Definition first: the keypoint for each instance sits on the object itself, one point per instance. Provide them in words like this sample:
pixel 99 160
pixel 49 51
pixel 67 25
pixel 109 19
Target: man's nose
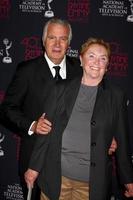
pixel 57 42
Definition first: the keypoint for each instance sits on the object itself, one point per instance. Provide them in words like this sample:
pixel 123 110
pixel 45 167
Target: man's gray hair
pixel 57 21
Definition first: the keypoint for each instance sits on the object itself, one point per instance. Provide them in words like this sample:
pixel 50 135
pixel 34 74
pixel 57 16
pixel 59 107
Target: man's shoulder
pixel 31 62
pixel 29 67
pixel 73 66
pixel 73 60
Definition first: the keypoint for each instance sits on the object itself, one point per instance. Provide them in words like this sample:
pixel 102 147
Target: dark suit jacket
pixel 25 99
pixel 109 119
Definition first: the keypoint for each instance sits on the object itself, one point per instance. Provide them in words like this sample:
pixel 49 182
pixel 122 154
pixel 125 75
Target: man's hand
pixel 129 190
pixel 42 126
pixel 30 176
pixel 113 147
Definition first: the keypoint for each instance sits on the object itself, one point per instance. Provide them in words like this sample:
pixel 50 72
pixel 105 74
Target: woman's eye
pixel 91 56
pixel 104 59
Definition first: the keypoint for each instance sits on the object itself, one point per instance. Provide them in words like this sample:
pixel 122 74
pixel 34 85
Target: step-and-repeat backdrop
pixel 21 24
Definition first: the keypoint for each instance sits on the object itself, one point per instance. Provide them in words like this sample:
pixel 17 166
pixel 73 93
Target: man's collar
pixel 51 64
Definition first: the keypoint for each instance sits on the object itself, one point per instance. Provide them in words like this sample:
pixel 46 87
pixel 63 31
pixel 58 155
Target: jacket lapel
pixel 101 99
pixel 45 72
pixel 71 95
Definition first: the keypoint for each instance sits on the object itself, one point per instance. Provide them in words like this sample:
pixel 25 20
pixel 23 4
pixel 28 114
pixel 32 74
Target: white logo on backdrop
pixel 7 58
pixel 4 52
pixel 49 12
pixel 113 8
pixel 37 6
pixel 13 192
pixel 1 140
pixel 72 52
pixel 130 17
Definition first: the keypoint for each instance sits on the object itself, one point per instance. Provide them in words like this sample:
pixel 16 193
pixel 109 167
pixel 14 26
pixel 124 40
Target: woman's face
pixel 94 62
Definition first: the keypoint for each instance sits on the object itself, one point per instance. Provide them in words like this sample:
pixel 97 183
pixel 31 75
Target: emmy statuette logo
pixel 49 13
pixel 130 17
pixel 7 58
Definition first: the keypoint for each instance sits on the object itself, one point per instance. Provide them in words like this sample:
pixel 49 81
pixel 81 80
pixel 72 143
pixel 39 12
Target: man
pixel 72 162
pixel 25 98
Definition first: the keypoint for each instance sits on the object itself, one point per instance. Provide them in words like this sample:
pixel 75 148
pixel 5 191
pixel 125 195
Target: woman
pixel 73 161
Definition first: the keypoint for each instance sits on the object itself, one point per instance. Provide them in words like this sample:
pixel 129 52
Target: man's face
pixel 56 42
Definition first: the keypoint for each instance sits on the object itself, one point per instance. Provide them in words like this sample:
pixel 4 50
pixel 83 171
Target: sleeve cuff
pixel 31 132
